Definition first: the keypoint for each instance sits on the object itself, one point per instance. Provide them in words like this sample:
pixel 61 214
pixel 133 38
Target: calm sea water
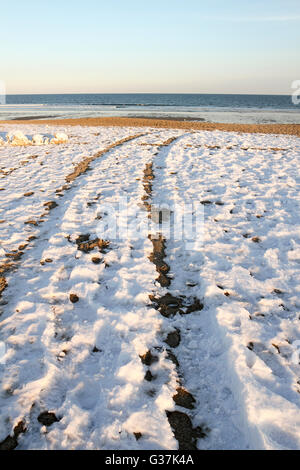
pixel 214 108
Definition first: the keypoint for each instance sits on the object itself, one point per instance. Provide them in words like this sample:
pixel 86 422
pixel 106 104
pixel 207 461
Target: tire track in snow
pixel 22 164
pixel 11 441
pixel 169 306
pixel 110 369
pixel 47 336
pixel 81 168
pixel 207 371
pixel 28 188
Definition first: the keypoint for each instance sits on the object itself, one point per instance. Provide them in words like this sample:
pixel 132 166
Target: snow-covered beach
pixel 131 342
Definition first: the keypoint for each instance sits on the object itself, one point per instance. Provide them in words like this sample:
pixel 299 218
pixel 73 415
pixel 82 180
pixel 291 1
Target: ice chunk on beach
pixel 60 138
pixel 17 138
pixel 38 139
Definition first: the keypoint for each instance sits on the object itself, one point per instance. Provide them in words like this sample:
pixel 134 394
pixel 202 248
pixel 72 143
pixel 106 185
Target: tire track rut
pixel 81 168
pixel 168 306
pixel 13 262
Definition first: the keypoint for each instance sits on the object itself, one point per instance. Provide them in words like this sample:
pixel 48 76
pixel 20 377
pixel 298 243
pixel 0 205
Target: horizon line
pixel 148 93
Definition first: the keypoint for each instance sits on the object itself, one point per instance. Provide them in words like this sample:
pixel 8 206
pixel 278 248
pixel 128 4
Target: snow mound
pixel 60 138
pixel 17 138
pixel 38 139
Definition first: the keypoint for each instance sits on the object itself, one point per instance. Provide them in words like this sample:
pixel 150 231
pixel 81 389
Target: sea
pixel 257 109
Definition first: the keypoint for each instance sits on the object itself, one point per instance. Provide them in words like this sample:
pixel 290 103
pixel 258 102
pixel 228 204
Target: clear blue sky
pixel 185 46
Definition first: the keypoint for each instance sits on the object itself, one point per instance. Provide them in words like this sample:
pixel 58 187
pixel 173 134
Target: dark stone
pixel 167 305
pixel 11 442
pixel 148 358
pixel 184 398
pixel 173 339
pixel 195 306
pixel 90 245
pixel 184 432
pixel 19 429
pixel 47 419
pixel 205 202
pixel 14 255
pixel 3 284
pixel 31 222
pixel 74 298
pixel 149 377
pixel 82 238
pixel 50 205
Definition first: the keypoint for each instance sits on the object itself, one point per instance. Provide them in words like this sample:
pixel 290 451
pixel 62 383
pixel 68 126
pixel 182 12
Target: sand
pixel 291 129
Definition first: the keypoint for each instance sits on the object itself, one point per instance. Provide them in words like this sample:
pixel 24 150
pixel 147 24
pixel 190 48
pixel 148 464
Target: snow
pixel 82 360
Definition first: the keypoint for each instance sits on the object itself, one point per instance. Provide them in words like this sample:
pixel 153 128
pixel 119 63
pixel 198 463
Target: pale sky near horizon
pixel 167 46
